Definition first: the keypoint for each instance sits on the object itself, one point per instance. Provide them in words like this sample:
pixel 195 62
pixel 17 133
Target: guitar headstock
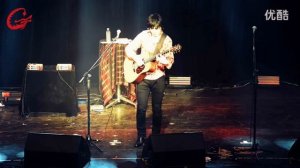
pixel 176 48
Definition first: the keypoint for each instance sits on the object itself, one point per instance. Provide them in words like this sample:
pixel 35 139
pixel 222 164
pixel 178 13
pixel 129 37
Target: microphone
pixel 82 77
pixel 118 34
pixel 254 28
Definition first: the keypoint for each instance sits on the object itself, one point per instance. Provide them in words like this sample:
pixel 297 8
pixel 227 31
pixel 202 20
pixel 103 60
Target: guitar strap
pixel 160 44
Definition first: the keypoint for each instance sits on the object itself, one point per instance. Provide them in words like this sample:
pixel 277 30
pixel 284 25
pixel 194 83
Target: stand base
pixel 119 98
pixel 90 142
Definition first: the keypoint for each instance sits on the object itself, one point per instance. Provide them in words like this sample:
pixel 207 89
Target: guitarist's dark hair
pixel 154 21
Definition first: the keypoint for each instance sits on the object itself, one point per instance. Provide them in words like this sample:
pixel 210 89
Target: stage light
pixel 268 80
pixel 3 157
pixel 285 143
pixel 99 162
pixel 20 154
pixel 5 96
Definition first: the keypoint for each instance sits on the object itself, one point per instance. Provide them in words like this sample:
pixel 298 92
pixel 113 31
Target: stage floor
pixel 223 115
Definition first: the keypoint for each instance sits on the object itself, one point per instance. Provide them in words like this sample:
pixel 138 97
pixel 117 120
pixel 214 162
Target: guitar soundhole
pixel 140 69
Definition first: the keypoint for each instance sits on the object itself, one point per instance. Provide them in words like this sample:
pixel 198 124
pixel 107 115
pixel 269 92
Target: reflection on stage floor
pixel 223 115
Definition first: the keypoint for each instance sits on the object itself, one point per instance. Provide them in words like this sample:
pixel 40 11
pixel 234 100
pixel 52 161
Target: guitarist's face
pixel 156 32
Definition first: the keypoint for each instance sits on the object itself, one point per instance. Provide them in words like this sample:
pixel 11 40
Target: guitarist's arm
pixel 169 56
pixel 132 47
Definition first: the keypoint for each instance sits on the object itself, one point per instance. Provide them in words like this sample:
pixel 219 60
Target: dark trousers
pixel 144 88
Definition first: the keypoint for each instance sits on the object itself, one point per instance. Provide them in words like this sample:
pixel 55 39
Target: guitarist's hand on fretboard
pixel 162 59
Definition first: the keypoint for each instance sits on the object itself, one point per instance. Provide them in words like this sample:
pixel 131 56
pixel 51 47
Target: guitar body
pixel 134 74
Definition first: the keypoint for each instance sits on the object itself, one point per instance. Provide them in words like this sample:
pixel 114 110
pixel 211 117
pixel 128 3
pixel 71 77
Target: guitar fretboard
pixel 174 49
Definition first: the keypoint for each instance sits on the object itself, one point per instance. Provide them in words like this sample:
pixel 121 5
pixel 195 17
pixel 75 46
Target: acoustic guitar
pixel 135 74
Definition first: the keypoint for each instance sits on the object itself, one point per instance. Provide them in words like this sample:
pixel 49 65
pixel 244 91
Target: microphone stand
pixel 87 76
pixel 254 144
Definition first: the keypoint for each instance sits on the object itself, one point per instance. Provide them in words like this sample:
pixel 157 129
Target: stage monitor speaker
pixel 54 150
pixel 176 150
pixel 49 91
pixel 294 153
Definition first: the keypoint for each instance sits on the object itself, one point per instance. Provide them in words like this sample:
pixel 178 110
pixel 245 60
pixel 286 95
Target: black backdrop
pixel 216 36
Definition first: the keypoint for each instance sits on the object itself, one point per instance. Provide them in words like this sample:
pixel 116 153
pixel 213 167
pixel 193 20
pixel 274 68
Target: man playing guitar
pixel 151 42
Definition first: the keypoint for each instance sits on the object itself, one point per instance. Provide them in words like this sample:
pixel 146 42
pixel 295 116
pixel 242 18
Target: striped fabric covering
pixel 120 56
pixel 106 70
pixel 111 71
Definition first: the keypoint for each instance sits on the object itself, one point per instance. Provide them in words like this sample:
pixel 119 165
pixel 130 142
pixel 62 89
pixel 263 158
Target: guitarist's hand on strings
pixel 139 61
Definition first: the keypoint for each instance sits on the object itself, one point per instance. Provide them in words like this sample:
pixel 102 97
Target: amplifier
pixel 35 67
pixel 45 91
pixel 64 67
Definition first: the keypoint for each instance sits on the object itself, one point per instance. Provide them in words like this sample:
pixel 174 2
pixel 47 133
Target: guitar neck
pixel 174 49
pixel 154 56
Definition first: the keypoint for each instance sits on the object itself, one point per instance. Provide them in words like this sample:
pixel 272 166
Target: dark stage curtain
pixel 216 36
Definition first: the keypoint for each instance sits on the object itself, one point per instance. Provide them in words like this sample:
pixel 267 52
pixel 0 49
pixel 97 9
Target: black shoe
pixel 139 142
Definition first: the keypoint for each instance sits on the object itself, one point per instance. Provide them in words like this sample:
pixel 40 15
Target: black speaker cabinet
pixel 177 150
pixel 49 91
pixel 294 153
pixel 53 150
